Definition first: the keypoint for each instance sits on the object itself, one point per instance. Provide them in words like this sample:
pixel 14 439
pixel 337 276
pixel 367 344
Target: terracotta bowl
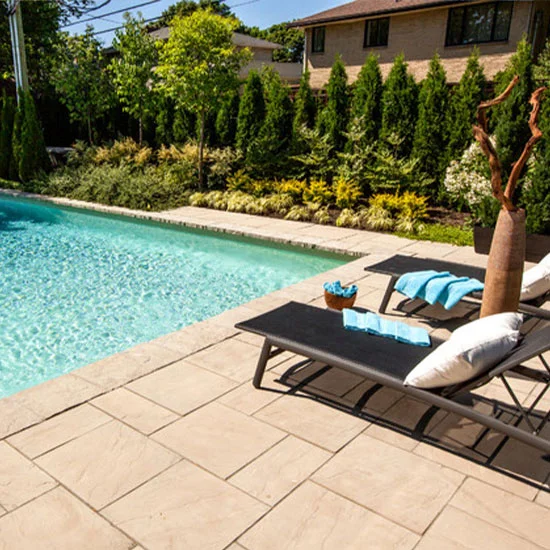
pixel 339 302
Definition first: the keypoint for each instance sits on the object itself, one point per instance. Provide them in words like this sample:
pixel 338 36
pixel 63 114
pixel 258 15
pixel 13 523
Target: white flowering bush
pixel 467 181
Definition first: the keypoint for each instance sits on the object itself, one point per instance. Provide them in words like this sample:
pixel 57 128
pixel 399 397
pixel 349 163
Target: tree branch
pixel 496 168
pixel 536 134
pixel 481 116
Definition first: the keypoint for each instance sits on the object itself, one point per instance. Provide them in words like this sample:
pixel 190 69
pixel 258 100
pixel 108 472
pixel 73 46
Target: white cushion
pixel 470 351
pixel 536 281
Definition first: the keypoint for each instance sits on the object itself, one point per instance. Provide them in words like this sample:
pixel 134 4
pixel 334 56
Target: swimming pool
pixel 76 286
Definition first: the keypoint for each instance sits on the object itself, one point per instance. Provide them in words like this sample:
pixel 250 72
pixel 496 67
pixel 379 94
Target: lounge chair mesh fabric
pixel 319 334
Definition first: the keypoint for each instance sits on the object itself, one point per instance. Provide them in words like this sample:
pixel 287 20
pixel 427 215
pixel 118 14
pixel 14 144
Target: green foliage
pixel 80 78
pixel 293 188
pixel 463 107
pixel 322 216
pixel 536 194
pixel 399 107
pixel 226 120
pixel 275 137
pixel 389 172
pixel 304 104
pixel 347 193
pixel 32 157
pixel 430 136
pixel 511 116
pixel 251 112
pixel 318 159
pixel 333 120
pixel 318 192
pixel 277 203
pixel 366 101
pixel 199 65
pixel 291 39
pixel 16 142
pixel 349 218
pixel 125 151
pixel 6 128
pixel 185 8
pixel 402 212
pixel 122 185
pixel 299 214
pixel 440 233
pixel 132 69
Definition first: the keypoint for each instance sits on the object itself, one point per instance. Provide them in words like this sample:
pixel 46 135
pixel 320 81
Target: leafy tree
pixel 16 141
pixel 184 8
pixel 41 22
pixel 81 80
pixel 430 135
pixel 132 69
pixel 333 121
pixel 399 107
pixel 32 157
pixel 366 101
pixel 304 104
pixel 6 129
pixel 199 66
pixel 511 117
pixel 463 107
pixel 226 120
pixel 291 39
pixel 275 135
pixel 251 112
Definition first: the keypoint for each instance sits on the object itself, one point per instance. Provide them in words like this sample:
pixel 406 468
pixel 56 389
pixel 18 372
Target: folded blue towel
pixel 434 286
pixel 337 289
pixel 374 324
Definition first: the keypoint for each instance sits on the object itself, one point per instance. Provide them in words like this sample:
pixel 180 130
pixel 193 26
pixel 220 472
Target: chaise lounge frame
pixel 399 265
pixel 319 335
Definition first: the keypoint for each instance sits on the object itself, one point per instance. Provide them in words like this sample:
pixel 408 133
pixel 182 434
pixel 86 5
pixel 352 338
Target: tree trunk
pixel 201 152
pixel 140 130
pixel 505 264
pixel 90 138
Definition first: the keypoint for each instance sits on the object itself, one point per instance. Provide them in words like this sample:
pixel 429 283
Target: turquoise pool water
pixel 76 286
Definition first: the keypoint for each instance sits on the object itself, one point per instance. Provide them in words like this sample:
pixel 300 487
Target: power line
pixel 243 4
pixel 122 26
pixel 129 8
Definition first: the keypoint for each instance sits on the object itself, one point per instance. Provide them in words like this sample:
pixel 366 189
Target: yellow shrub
pixel 318 192
pixel 294 188
pixel 347 193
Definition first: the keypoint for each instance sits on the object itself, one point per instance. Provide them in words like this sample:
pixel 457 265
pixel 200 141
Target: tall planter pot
pixel 505 264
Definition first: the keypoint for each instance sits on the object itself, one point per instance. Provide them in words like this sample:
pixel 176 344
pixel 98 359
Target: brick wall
pixel 419 35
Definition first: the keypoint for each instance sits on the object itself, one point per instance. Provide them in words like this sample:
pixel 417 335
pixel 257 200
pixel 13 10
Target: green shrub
pixel 347 193
pixel 322 216
pixel 277 203
pixel 304 105
pixel 379 219
pixel 198 199
pixel 240 181
pixel 318 192
pixel 239 201
pixel 226 120
pixel 299 214
pixel 251 112
pixel 221 164
pixel 349 218
pixel 6 129
pixel 402 212
pixel 294 188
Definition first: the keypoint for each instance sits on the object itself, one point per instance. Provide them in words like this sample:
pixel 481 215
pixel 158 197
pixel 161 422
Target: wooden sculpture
pixel 507 254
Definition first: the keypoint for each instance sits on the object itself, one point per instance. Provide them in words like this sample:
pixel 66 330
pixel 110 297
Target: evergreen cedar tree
pixel 226 120
pixel 366 101
pixel 333 120
pixel 430 136
pixel 511 117
pixel 304 104
pixel 251 112
pixel 6 129
pixel 399 107
pixel 463 105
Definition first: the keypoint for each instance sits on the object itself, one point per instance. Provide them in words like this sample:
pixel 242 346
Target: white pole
pixel 18 47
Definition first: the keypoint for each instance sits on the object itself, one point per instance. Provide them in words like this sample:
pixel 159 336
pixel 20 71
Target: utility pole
pixel 18 47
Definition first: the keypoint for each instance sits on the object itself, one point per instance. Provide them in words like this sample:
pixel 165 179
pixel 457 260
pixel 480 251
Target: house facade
pixel 419 28
pixel 262 55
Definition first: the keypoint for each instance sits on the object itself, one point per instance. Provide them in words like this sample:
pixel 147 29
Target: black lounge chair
pixel 319 335
pixel 399 265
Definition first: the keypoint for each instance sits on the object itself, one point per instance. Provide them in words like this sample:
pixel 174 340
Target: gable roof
pixel 239 39
pixel 368 8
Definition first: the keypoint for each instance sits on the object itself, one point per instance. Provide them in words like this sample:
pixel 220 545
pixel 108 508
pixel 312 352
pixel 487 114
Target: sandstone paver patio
pixel 168 445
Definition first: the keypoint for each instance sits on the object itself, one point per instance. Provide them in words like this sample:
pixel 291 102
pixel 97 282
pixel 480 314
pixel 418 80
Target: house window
pixel 318 40
pixel 376 32
pixel 488 22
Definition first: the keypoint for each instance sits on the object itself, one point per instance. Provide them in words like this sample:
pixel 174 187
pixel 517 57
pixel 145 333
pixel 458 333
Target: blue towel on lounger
pixel 434 286
pixel 378 326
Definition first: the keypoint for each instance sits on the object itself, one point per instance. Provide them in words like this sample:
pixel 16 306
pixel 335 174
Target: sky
pixel 260 13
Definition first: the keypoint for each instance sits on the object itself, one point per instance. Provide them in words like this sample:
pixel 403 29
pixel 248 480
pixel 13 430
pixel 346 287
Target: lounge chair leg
pixel 262 362
pixel 387 294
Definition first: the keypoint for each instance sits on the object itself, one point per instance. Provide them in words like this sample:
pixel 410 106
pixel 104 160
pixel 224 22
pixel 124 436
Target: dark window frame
pixel 365 34
pixel 496 4
pixel 313 43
